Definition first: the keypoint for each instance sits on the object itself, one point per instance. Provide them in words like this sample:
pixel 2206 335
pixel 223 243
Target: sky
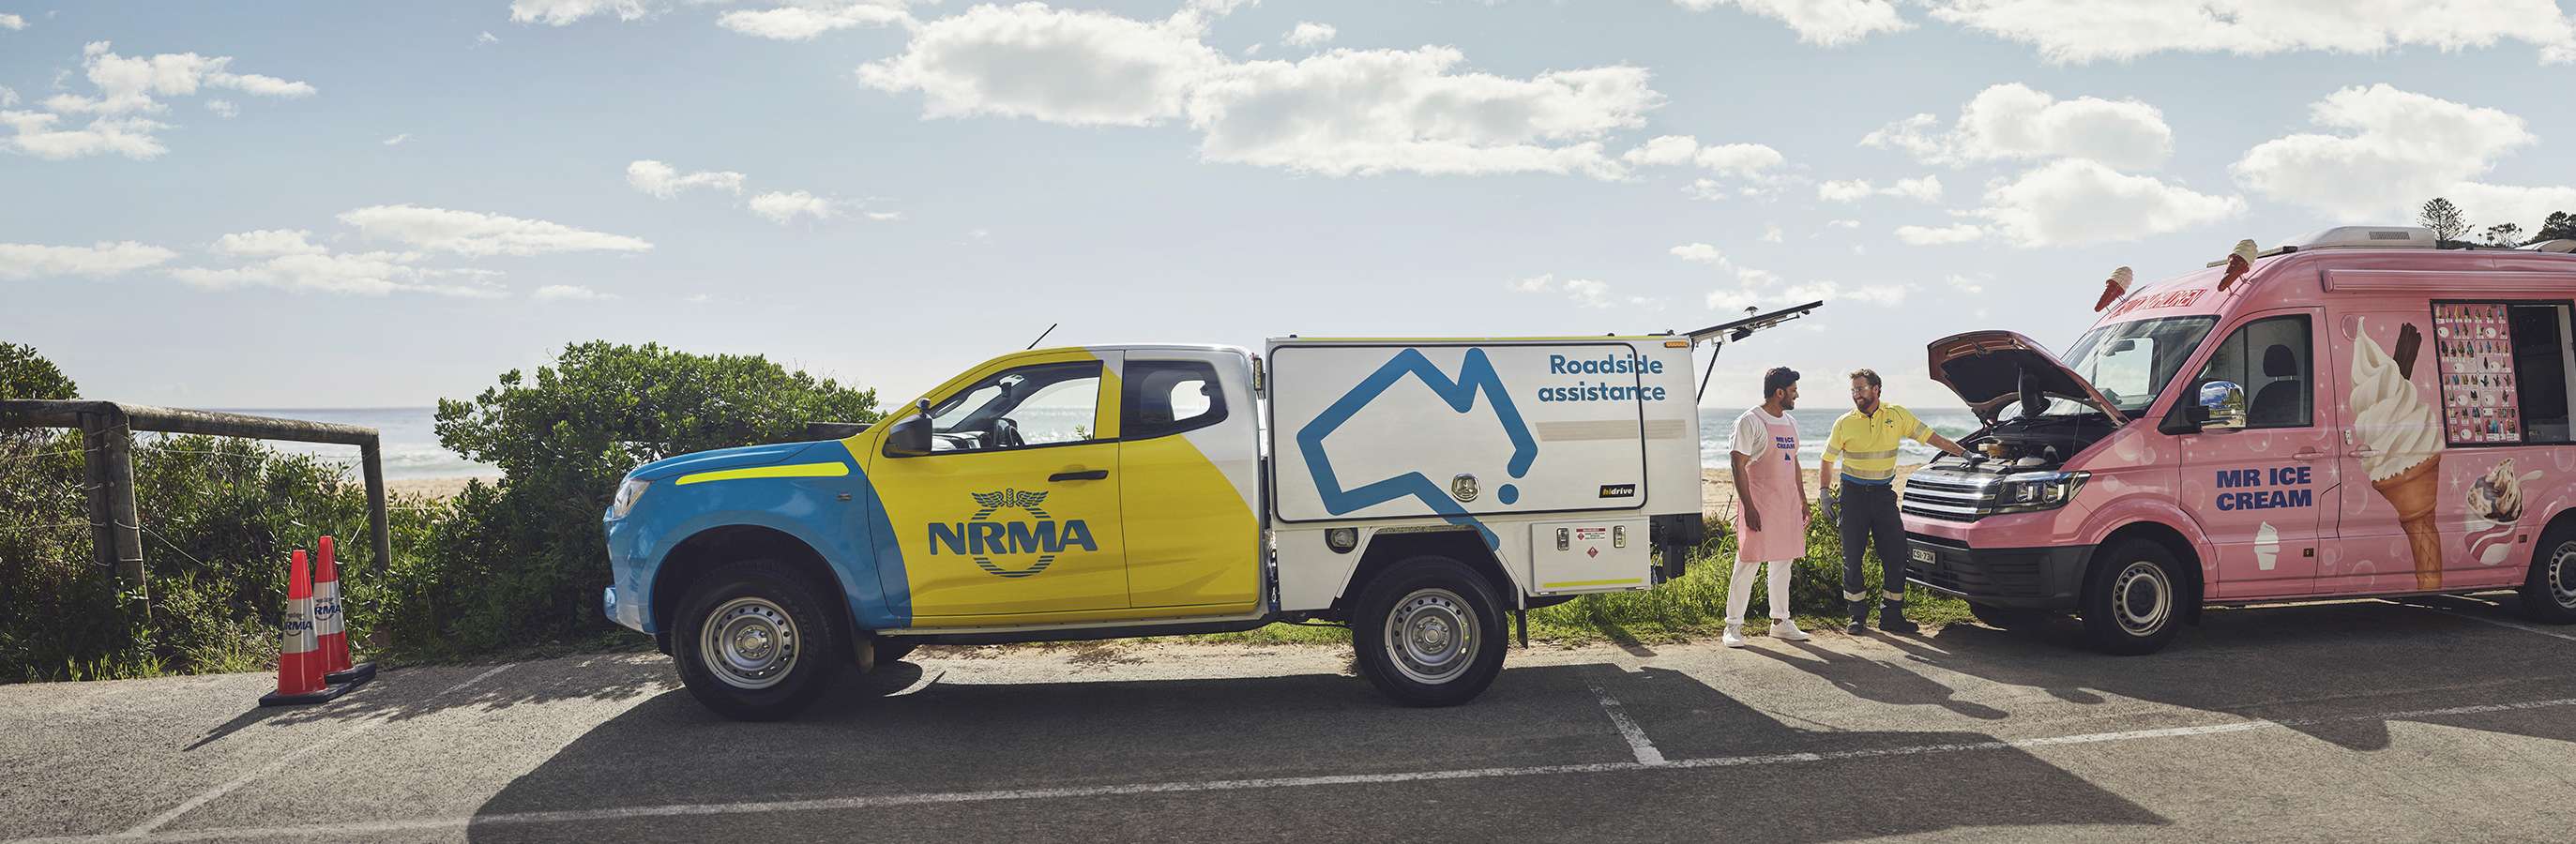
pixel 307 204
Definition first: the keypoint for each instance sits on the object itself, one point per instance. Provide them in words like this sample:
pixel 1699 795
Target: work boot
pixel 1860 618
pixel 1891 618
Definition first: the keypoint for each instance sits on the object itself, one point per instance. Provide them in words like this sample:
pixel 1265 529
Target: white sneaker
pixel 1786 629
pixel 1734 637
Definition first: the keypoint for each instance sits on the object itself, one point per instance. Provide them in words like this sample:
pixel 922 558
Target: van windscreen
pixel 2130 362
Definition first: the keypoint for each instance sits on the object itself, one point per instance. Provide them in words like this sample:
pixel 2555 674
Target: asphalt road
pixel 2443 720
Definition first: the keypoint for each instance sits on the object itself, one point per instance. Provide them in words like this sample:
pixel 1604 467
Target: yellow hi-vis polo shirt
pixel 1866 445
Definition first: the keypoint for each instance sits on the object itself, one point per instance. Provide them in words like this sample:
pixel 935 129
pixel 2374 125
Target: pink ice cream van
pixel 2356 413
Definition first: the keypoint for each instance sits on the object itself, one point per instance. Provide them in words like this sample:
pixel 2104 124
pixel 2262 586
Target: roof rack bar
pixel 1745 327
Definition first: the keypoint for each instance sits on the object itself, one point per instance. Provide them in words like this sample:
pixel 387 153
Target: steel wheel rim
pixel 749 643
pixel 2562 575
pixel 2142 598
pixel 1432 636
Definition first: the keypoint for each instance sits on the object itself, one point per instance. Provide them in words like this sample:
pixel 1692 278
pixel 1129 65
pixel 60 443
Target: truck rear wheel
pixel 2549 593
pixel 754 641
pixel 1429 632
pixel 2132 602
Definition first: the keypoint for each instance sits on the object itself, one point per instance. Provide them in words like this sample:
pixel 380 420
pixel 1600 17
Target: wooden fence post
pixel 125 521
pixel 371 464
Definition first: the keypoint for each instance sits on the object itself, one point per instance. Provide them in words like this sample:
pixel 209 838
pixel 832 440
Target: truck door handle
pixel 1091 475
pixel 2310 454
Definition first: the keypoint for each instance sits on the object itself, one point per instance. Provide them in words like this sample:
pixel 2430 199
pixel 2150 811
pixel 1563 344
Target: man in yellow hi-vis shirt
pixel 1864 441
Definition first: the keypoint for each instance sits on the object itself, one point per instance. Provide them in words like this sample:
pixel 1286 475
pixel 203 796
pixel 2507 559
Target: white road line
pixel 2514 625
pixel 372 721
pixel 345 830
pixel 1628 729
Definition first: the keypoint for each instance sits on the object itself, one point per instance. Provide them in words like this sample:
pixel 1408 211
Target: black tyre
pixel 1429 632
pixel 890 651
pixel 755 641
pixel 2549 593
pixel 2009 618
pixel 2133 601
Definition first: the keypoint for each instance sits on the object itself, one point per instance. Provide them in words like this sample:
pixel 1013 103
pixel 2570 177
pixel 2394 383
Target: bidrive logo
pixel 983 538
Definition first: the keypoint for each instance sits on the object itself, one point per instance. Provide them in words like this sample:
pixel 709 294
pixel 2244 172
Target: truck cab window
pixel 2271 359
pixel 1170 396
pixel 2541 366
pixel 1046 404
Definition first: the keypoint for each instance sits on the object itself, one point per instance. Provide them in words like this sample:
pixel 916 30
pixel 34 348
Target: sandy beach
pixel 1717 488
pixel 435 488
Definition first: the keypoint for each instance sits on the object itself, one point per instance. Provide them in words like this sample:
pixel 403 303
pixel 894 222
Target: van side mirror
pixel 910 436
pixel 2221 406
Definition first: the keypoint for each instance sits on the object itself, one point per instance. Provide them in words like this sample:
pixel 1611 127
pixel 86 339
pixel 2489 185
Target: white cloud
pixel 1926 189
pixel 483 38
pixel 2398 149
pixel 1772 234
pixel 1869 294
pixel 397 140
pixel 1338 113
pixel 2078 31
pixel 1309 34
pixel 784 207
pixel 1826 22
pixel 31 260
pixel 269 242
pixel 1699 253
pixel 2015 121
pixel 364 274
pixel 12 22
pixel 1664 151
pixel 1589 293
pixel 474 234
pixel 665 181
pixel 223 108
pixel 2076 201
pixel 8 96
pixel 1965 284
pixel 884 216
pixel 1842 224
pixel 1931 236
pixel 804 21
pixel 1741 160
pixel 125 88
pixel 563 12
pixel 568 292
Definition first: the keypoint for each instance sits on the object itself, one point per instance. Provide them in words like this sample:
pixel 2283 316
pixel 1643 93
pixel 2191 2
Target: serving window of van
pixel 2505 369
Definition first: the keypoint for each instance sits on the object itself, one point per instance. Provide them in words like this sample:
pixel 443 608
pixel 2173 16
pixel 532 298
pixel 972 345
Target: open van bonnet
pixel 1990 369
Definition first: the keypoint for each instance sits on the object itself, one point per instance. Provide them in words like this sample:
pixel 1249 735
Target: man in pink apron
pixel 1771 505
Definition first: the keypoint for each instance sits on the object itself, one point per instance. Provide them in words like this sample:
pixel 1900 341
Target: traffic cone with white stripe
pixel 299 658
pixel 330 625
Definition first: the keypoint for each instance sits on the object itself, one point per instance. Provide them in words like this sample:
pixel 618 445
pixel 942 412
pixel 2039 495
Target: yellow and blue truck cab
pixel 1417 490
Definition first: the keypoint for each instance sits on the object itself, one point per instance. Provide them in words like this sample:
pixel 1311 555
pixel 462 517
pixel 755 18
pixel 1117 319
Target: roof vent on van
pixel 2367 237
pixel 2562 245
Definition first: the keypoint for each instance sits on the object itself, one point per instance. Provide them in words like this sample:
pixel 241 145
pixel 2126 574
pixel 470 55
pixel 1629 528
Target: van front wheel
pixel 2549 594
pixel 1429 632
pixel 2132 601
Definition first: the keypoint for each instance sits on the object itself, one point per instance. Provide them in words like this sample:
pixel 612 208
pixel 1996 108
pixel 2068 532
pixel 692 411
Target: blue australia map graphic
pixel 1475 374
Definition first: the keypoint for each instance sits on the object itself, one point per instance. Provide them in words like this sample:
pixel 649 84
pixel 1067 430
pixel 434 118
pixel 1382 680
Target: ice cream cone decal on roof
pixel 2239 262
pixel 2404 439
pixel 2114 287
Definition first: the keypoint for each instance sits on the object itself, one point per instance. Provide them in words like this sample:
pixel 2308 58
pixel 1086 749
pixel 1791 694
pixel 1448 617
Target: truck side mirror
pixel 2221 406
pixel 910 436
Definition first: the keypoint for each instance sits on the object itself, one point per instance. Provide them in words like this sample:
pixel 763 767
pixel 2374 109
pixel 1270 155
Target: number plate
pixel 1923 555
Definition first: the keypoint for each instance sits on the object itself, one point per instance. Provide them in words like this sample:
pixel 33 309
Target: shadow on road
pixel 900 734
pixel 404 694
pixel 2335 663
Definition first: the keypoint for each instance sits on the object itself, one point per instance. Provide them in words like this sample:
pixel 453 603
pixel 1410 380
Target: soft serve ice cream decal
pixel 2495 506
pixel 2401 441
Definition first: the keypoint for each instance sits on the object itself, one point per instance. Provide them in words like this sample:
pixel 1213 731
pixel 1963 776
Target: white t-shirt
pixel 1753 434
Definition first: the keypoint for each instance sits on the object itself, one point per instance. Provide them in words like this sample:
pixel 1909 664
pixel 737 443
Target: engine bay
pixel 2027 443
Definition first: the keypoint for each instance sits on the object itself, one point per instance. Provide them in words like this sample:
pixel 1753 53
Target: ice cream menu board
pixel 2475 346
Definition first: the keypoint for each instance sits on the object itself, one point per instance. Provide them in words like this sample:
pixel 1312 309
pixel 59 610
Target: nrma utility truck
pixel 1417 490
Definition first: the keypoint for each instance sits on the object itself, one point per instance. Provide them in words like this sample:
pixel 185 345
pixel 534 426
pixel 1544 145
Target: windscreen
pixel 2130 362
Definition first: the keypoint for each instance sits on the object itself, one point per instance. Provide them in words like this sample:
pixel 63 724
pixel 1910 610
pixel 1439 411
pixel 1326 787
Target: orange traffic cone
pixel 330 625
pixel 299 662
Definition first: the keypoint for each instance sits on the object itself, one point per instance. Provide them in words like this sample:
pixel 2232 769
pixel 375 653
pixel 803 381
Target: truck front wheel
pixel 2132 602
pixel 754 642
pixel 1429 632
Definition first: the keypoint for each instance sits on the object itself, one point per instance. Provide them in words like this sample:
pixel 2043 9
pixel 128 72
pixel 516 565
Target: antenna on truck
pixel 1042 335
pixel 1718 335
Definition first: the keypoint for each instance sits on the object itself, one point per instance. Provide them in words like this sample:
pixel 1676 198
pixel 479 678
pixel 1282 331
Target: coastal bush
pixel 522 561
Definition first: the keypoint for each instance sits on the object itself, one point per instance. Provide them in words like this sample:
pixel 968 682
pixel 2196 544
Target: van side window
pixel 2271 359
pixel 2504 370
pixel 1040 405
pixel 1170 396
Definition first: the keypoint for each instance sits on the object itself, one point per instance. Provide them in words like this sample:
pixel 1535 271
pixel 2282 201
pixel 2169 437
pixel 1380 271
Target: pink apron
pixel 1772 482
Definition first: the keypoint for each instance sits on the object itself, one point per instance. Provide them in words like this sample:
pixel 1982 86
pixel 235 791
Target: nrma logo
pixel 983 538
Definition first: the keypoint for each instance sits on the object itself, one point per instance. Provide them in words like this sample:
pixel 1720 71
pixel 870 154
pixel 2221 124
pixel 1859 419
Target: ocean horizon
pixel 412 450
